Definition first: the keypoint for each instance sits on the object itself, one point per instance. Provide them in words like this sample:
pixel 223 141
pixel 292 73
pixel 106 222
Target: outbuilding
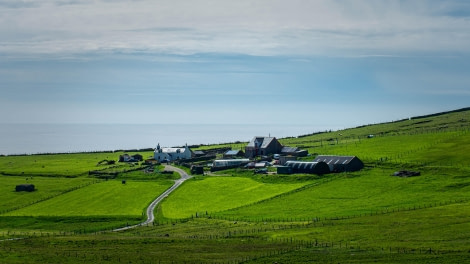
pixel 228 164
pixel 293 151
pixel 308 167
pixel 341 163
pixel 233 154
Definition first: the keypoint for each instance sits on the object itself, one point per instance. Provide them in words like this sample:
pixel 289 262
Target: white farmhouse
pixel 171 154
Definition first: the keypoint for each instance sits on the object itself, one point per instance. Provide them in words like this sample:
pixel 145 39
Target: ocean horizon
pixel 19 139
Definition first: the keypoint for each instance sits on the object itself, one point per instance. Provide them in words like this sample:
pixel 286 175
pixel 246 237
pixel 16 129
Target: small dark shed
pixel 138 157
pixel 197 169
pixel 341 163
pixel 308 167
pixel 25 188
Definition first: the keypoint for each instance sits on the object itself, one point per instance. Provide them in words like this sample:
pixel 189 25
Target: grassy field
pixel 362 217
pixel 431 235
pixel 61 164
pixel 46 188
pixel 77 203
pixel 107 198
pixel 359 193
pixel 212 194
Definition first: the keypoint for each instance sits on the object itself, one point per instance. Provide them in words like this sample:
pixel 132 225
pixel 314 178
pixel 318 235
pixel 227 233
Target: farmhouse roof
pixel 261 142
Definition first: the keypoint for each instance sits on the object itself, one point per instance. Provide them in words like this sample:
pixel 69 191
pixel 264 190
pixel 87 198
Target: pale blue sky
pixel 326 63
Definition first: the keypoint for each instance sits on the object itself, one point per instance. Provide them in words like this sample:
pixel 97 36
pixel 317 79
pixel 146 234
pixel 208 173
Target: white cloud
pixel 248 27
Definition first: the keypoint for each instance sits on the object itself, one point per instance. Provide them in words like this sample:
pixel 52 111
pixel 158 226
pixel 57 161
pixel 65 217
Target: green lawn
pixel 108 198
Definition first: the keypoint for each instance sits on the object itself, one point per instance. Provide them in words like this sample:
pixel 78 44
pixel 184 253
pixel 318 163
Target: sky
pixel 337 63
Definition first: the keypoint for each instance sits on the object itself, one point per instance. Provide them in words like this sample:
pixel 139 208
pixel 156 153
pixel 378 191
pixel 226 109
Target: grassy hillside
pixel 362 217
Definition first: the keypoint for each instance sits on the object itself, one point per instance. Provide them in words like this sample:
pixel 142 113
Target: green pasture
pixel 107 198
pixel 441 227
pixel 74 164
pixel 359 193
pixel 212 194
pixel 46 188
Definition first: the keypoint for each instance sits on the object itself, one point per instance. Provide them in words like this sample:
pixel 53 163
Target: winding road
pixel 151 208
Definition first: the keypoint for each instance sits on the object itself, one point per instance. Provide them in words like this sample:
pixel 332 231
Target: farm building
pixel 341 163
pixel 171 154
pixel 262 146
pixel 25 188
pixel 233 154
pixel 308 167
pixel 228 163
pixel 293 151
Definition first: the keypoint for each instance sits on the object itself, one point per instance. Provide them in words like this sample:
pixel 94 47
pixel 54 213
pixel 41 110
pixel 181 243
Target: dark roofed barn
pixel 341 163
pixel 293 151
pixel 308 167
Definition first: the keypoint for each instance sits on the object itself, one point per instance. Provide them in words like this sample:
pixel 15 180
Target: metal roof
pixel 332 159
pixel 172 150
pixel 232 152
pixel 289 149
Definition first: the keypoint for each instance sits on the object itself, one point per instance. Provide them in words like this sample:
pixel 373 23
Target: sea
pixel 19 139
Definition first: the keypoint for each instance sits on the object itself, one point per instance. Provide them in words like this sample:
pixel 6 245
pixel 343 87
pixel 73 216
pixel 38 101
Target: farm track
pixel 151 208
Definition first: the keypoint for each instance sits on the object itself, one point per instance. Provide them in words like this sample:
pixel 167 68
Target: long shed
pixel 308 167
pixel 341 163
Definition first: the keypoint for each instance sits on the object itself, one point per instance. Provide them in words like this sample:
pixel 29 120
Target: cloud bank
pixel 263 27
